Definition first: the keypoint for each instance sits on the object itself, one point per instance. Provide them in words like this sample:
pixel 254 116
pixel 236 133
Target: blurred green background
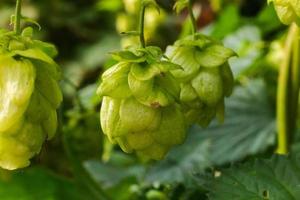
pixel 80 164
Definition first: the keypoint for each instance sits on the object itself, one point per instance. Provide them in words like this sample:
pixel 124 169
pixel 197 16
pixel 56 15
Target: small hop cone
pixel 205 77
pixel 138 110
pixel 29 98
pixel 288 11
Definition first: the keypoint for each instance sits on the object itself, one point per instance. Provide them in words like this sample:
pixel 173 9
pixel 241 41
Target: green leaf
pixel 274 179
pixel 249 128
pixel 36 183
pixel 35 53
pixel 249 125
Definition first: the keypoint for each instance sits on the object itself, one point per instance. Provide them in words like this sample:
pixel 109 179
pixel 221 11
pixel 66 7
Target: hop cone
pixel 205 77
pixel 29 97
pixel 288 11
pixel 139 111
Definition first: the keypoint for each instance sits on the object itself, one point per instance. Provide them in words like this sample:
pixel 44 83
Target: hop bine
pixel 29 97
pixel 205 77
pixel 139 109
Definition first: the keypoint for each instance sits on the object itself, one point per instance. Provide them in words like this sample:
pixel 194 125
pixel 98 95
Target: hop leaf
pixel 274 178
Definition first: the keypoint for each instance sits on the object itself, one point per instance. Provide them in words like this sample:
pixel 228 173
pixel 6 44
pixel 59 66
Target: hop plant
pixel 29 97
pixel 139 110
pixel 205 77
pixel 288 11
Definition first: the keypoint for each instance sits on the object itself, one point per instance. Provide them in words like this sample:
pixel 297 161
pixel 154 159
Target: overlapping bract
pixel 288 11
pixel 29 97
pixel 139 109
pixel 205 78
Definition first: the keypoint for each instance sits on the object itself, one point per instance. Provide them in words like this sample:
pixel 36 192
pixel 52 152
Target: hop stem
pixel 192 17
pixel 295 79
pixel 142 25
pixel 287 94
pixel 18 16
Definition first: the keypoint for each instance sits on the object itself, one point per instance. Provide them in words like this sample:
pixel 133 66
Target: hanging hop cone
pixel 288 11
pixel 139 109
pixel 205 78
pixel 29 97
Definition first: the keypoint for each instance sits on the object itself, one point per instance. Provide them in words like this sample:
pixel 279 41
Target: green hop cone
pixel 288 11
pixel 205 77
pixel 139 110
pixel 29 97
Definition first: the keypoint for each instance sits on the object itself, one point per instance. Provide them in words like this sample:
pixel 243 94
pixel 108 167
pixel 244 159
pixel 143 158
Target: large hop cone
pixel 288 11
pixel 139 111
pixel 205 77
pixel 29 97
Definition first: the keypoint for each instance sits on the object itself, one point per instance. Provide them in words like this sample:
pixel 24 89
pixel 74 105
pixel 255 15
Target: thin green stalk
pixel 18 16
pixel 142 25
pixel 192 17
pixel 295 82
pixel 283 127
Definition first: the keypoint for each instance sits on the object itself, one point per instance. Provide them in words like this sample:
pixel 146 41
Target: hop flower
pixel 288 11
pixel 205 77
pixel 139 109
pixel 29 97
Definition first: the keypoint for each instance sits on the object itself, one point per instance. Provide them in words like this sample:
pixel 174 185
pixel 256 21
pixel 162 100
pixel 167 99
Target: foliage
pixel 234 159
pixel 274 178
